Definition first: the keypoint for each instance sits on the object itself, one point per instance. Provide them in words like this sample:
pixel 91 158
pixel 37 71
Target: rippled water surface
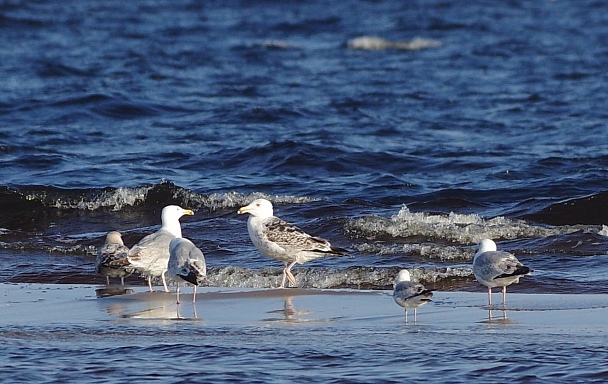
pixel 404 131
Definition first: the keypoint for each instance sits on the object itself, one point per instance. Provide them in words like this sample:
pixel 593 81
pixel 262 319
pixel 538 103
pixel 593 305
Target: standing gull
pixel 280 240
pixel 494 268
pixel 151 255
pixel 186 262
pixel 112 259
pixel 409 294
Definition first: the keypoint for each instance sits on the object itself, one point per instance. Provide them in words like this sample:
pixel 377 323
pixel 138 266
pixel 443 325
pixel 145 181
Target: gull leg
pixel 162 275
pixel 284 279
pixel 194 294
pixel 406 315
pixel 107 280
pixel 122 280
pixel 504 295
pixel 415 315
pixel 177 293
pixel 489 296
pixel 150 283
pixel 290 276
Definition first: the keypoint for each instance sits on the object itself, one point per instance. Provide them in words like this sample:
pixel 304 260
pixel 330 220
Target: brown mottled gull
pixel 280 240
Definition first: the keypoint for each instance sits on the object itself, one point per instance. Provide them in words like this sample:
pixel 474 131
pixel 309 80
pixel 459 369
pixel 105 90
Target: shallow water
pixel 297 335
pixel 492 127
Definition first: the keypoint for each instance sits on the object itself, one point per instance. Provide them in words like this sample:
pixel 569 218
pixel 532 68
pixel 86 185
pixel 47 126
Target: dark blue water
pixel 407 156
pixel 495 127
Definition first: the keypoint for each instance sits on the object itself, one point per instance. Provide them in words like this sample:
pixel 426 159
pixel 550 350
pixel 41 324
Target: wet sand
pixel 107 334
pixel 39 305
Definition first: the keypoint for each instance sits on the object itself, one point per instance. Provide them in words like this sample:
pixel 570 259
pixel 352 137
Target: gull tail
pixel 425 295
pixel 519 271
pixel 196 272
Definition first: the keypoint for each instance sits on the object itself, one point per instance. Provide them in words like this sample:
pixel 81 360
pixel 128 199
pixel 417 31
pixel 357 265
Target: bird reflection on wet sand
pixel 112 290
pixel 288 312
pixel 497 316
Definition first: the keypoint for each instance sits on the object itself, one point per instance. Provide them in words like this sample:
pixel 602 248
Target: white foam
pixel 465 229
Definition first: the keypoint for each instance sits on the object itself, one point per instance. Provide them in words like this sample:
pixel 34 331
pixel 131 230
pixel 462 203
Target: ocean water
pixel 488 121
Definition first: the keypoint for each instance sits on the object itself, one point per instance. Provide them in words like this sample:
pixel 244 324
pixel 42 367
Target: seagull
pixel 280 240
pixel 187 263
pixel 151 255
pixel 112 259
pixel 494 268
pixel 409 294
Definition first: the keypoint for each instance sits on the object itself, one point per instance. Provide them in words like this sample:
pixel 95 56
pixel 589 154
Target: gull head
pixel 258 208
pixel 404 275
pixel 172 213
pixel 114 237
pixel 486 245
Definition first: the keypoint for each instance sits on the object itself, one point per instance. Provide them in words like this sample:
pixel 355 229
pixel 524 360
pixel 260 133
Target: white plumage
pixel 187 263
pixel 280 240
pixel 494 268
pixel 151 254
pixel 408 294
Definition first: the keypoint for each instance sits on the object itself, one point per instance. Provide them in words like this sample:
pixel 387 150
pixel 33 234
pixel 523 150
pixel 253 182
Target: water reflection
pixel 288 313
pixel 110 290
pixel 498 316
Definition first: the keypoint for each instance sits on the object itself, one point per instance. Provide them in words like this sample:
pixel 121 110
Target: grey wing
pixel 151 247
pixel 188 259
pixel 406 290
pixel 493 264
pixel 290 237
pixel 188 262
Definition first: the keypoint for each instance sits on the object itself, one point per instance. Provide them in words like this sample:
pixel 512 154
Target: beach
pixel 110 333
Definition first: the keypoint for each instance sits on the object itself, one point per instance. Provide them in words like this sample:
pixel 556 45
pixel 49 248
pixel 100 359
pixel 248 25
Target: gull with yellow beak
pixel 150 256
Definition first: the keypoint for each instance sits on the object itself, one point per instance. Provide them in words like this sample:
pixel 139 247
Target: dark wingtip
pixel 340 251
pixel 191 278
pixel 523 270
pixel 520 271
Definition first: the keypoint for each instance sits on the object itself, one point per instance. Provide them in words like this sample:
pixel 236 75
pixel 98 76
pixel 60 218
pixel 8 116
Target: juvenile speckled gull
pixel 112 259
pixel 494 268
pixel 409 294
pixel 280 240
pixel 186 262
pixel 151 254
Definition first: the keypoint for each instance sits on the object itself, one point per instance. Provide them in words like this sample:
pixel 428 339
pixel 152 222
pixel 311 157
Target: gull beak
pixel 242 210
pixel 188 212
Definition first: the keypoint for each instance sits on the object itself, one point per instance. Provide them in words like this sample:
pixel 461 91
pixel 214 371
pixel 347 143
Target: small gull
pixel 494 268
pixel 409 294
pixel 151 255
pixel 186 262
pixel 112 259
pixel 280 240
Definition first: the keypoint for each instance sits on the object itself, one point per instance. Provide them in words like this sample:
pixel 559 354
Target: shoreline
pixel 43 305
pixel 296 335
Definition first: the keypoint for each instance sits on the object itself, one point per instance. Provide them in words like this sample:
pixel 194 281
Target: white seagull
pixel 111 260
pixel 409 294
pixel 280 240
pixel 151 255
pixel 186 262
pixel 494 268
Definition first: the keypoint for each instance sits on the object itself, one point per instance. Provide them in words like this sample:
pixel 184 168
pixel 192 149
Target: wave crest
pixel 465 229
